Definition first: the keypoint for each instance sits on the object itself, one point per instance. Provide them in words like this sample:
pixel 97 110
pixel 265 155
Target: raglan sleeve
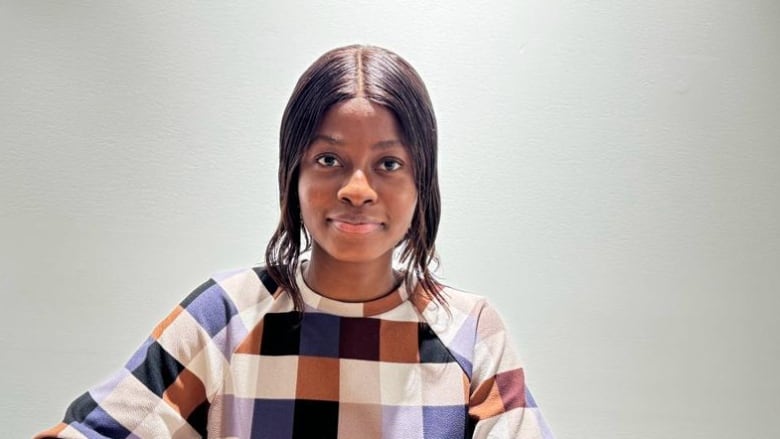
pixel 165 388
pixel 500 404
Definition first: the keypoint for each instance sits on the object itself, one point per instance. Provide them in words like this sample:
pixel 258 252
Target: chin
pixel 356 255
pixel 356 258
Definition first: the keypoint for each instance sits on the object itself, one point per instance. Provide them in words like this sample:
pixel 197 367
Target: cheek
pixel 304 196
pixel 310 196
pixel 408 204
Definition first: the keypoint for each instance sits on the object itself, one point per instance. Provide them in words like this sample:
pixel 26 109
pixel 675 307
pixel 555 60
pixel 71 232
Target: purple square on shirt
pixel 402 422
pixel 231 336
pixel 236 414
pixel 104 424
pixel 210 306
pixel 444 421
pixel 320 335
pixel 140 355
pixel 227 274
pixel 99 393
pixel 273 419
pixel 462 346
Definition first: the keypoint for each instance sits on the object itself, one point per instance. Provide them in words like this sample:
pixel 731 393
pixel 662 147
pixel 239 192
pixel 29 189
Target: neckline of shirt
pixel 382 304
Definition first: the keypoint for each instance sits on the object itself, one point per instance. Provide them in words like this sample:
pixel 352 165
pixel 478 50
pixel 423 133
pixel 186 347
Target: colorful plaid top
pixel 234 360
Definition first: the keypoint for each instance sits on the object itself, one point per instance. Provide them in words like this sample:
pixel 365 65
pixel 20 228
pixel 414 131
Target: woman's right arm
pixel 165 389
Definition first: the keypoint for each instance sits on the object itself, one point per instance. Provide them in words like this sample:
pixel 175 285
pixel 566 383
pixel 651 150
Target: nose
pixel 357 191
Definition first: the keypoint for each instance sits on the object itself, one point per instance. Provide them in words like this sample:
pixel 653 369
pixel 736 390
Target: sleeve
pixel 500 404
pixel 165 388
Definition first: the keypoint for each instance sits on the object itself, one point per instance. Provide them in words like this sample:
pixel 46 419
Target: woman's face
pixel 356 187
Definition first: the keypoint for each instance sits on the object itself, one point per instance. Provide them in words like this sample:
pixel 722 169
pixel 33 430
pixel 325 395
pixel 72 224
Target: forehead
pixel 361 119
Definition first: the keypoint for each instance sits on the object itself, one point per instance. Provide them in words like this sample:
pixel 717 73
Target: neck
pixel 349 281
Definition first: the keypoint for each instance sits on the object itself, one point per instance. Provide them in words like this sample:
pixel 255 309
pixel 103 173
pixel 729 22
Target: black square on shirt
pixel 158 370
pixel 80 409
pixel 268 282
pixel 432 349
pixel 316 419
pixel 198 419
pixel 281 334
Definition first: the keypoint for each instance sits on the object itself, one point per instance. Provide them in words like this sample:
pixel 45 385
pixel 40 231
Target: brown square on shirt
pixel 398 342
pixel 318 378
pixel 253 340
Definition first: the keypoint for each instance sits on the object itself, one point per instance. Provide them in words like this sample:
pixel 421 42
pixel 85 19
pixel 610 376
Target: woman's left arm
pixel 500 404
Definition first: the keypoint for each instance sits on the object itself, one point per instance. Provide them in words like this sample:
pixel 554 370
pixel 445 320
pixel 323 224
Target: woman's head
pixel 382 78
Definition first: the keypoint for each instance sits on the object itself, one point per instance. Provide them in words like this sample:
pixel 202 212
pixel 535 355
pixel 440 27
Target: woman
pixel 342 343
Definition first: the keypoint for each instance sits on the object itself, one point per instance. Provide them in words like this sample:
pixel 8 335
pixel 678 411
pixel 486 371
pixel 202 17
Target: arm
pixel 500 404
pixel 164 389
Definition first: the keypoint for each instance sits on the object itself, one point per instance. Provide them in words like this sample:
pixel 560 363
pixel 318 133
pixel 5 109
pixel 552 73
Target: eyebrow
pixel 382 144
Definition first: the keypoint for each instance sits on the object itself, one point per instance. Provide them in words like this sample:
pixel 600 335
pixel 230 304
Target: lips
pixel 356 225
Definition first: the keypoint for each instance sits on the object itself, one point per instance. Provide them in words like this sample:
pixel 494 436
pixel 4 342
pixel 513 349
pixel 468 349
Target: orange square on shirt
pixel 398 342
pixel 186 393
pixel 486 401
pixel 318 378
pixel 166 322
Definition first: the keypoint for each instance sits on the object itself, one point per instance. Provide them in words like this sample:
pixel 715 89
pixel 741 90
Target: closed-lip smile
pixel 355 224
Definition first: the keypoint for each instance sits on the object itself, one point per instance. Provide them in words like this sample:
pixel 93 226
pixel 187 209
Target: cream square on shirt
pixel 401 384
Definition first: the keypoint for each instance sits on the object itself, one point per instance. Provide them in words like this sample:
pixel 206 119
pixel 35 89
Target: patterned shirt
pixel 235 360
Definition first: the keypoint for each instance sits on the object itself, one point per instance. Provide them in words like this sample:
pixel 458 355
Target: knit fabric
pixel 234 360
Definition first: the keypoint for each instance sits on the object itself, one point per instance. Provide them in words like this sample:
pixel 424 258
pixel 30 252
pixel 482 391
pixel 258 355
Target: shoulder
pixel 464 301
pixel 460 307
pixel 482 318
pixel 228 293
pixel 465 315
pixel 458 323
pixel 222 311
pixel 240 287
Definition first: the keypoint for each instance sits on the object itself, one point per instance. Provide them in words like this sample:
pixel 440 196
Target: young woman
pixel 333 336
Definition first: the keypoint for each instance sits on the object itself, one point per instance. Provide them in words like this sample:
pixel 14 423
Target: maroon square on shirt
pixel 359 338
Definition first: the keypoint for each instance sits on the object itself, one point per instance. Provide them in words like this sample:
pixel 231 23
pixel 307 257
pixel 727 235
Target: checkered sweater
pixel 234 360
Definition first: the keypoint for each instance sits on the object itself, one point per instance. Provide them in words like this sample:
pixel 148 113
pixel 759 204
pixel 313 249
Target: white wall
pixel 610 173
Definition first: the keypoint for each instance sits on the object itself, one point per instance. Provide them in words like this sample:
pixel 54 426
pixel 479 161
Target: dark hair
pixel 384 78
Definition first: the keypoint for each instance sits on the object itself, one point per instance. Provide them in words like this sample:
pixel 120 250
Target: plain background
pixel 610 176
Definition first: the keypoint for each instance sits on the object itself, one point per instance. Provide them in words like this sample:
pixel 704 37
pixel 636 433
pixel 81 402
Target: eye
pixel 390 164
pixel 328 161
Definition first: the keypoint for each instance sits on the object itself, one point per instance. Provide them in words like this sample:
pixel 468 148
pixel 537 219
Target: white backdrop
pixel 610 174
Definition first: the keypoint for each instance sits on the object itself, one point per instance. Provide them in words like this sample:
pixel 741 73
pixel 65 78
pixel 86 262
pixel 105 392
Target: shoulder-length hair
pixel 384 78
